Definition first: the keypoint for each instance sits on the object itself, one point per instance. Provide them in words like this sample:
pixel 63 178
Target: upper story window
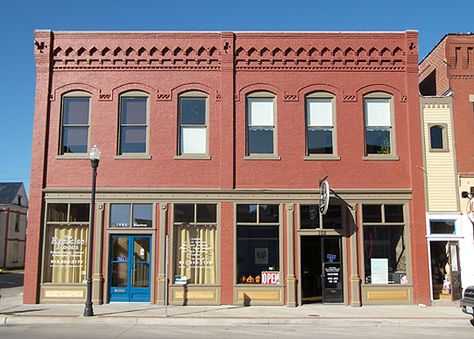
pixel 320 124
pixel 438 138
pixel 261 124
pixel 133 133
pixel 378 124
pixel 75 123
pixel 193 123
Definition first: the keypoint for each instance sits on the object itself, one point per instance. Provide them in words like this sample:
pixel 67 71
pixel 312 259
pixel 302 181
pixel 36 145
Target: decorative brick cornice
pixel 461 76
pixel 136 58
pixel 321 58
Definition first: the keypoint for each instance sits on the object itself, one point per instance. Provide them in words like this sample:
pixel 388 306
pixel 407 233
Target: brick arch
pixel 61 90
pixel 303 91
pixel 395 92
pixel 133 86
pixel 258 87
pixel 193 86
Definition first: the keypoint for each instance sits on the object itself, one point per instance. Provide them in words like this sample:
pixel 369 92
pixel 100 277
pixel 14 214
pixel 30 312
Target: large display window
pixel 258 244
pixel 65 245
pixel 385 257
pixel 195 234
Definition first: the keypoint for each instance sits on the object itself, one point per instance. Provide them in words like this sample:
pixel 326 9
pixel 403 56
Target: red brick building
pixel 217 142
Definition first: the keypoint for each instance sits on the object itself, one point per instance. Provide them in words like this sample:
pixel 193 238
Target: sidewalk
pixel 12 311
pixel 315 314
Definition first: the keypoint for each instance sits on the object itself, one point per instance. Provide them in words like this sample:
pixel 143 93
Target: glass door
pixel 332 270
pixel 130 268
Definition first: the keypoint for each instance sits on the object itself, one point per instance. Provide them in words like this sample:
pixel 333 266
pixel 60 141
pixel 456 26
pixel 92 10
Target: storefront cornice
pixel 188 194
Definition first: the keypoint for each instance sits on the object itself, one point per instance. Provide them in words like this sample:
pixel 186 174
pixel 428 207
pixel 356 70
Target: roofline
pixel 439 42
pixel 223 31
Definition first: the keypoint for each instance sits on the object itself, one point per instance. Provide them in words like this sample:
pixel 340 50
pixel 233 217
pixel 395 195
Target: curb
pixel 216 321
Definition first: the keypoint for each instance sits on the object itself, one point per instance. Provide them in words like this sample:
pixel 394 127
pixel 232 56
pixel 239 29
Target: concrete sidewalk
pixel 12 311
pixel 315 314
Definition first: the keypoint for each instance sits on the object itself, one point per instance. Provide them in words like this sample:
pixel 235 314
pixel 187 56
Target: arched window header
pixel 134 93
pixel 320 94
pixel 378 94
pixel 194 93
pixel 77 93
pixel 261 94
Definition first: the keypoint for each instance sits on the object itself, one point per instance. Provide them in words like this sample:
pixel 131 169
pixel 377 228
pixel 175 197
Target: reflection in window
pixel 260 126
pixel 319 123
pixel 133 124
pixel 377 126
pixel 137 215
pixel 257 241
pixel 75 125
pixel 193 125
pixel 310 217
pixel 442 226
pixel 437 137
pixel 384 249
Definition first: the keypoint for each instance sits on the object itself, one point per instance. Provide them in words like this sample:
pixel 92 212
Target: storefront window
pixel 258 252
pixel 384 244
pixel 66 243
pixel 195 229
pixel 137 215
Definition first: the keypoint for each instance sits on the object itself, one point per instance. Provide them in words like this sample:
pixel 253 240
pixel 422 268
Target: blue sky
pixel 18 19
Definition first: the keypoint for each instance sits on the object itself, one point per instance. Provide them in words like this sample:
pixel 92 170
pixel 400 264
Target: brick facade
pixel 227 67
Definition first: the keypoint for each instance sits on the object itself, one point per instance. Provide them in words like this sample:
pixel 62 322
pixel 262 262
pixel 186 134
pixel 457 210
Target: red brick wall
pixel 228 66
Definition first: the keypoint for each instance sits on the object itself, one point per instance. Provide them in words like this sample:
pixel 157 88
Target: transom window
pixel 442 227
pixel 310 218
pixel 75 123
pixel 192 125
pixel 319 125
pixel 260 125
pixel 134 215
pixel 133 123
pixel 378 125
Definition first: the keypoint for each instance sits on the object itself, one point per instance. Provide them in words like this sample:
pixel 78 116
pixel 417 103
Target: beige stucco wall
pixel 440 166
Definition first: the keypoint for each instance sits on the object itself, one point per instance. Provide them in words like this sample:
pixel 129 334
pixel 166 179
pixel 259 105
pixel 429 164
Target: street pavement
pixel 13 312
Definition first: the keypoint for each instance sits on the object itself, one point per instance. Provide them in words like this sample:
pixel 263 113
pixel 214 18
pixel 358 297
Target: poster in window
pixel 379 269
pixel 261 256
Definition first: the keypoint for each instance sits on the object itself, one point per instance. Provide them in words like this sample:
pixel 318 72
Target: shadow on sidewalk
pixel 11 279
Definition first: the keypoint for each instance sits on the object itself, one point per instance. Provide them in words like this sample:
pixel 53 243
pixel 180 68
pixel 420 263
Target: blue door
pixel 130 268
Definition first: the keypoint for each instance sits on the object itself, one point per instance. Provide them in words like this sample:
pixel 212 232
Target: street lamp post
pixel 94 156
